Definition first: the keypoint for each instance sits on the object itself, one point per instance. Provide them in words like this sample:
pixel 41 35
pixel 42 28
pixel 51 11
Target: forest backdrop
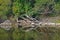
pixel 31 8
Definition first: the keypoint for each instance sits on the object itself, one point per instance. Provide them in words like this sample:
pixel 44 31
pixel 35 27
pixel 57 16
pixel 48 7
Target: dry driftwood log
pixel 31 23
pixel 28 23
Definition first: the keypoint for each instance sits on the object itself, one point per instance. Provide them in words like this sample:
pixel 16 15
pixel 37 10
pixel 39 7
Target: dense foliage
pixel 29 7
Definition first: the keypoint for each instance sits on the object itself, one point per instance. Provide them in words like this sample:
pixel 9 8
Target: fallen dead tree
pixel 32 22
pixel 28 23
